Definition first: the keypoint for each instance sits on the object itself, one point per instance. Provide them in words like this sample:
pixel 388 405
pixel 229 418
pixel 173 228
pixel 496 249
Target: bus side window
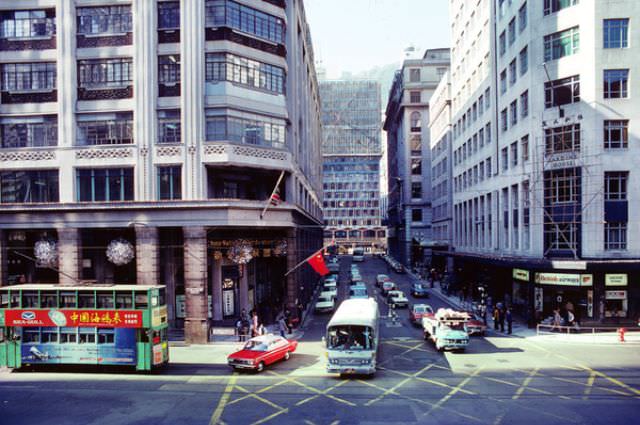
pixel 142 300
pixel 87 300
pixel 105 336
pixel 124 300
pixel 68 335
pixel 163 298
pixel 49 335
pixel 105 300
pixel 48 299
pixel 29 299
pixel 87 335
pixel 31 335
pixel 4 299
pixel 14 300
pixel 68 300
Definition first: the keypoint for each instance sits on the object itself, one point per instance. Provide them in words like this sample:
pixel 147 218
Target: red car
pixel 261 351
pixel 475 326
pixel 418 311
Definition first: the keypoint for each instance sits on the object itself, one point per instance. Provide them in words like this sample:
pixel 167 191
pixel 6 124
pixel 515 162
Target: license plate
pixel 349 371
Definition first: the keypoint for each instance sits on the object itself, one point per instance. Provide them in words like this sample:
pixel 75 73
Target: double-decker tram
pixel 92 325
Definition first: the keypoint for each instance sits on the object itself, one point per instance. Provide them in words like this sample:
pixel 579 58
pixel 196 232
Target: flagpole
pixel 307 259
pixel 272 193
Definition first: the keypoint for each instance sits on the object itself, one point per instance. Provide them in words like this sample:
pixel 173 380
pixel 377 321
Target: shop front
pixel 615 303
pixel 520 291
pixel 564 291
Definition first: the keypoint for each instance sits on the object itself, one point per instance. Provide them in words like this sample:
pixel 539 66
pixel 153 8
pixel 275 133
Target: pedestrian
pixel 300 311
pixel 509 317
pixel 239 330
pixel 557 320
pixel 282 324
pixel 287 318
pixel 501 314
pixel 261 329
pixel 254 324
pixel 496 317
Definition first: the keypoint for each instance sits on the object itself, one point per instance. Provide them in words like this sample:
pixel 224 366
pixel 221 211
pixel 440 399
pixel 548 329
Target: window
pixel 27 24
pixel 563 186
pixel 615 185
pixel 168 15
pixel 169 69
pixel 68 335
pixel 487 132
pixel 616 83
pixel 170 182
pixel 562 92
pixel 552 6
pixel 561 44
pixel 504 156
pixel 415 97
pixel 512 31
pixel 416 215
pixel 480 105
pixel 260 130
pixel 416 121
pixel 524 60
pixel 29 132
pixel 104 184
pixel 503 120
pixel 616 134
pixel 245 19
pixel 29 186
pixel 615 236
pixel 488 165
pixel 414 75
pixel 244 71
pixel 513 73
pixel 514 154
pixel 524 148
pixel 502 43
pixel 105 73
pixel 104 20
pixel 561 236
pixel 105 336
pixel 416 190
pixel 416 166
pixel 524 104
pixel 562 139
pixel 522 17
pixel 616 33
pixel 503 82
pixel 169 126
pixel 487 99
pixel 115 130
pixel 513 111
pixel 29 77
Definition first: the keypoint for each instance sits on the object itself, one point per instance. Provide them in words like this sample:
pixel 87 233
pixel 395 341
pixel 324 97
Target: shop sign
pixel 564 279
pixel 74 318
pixel 181 307
pixel 159 316
pixel 538 300
pixel 227 303
pixel 520 274
pixel 615 295
pixel 615 280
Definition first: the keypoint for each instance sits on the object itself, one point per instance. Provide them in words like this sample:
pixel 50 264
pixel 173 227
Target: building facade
pixel 142 139
pixel 545 129
pixel 441 171
pixel 409 157
pixel 351 164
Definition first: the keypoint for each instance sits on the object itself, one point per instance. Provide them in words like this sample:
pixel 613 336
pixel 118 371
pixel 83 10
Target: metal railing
pixel 545 329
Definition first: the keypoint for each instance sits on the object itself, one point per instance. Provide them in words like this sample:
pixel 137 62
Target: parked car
pixel 357 284
pixel 326 303
pixel 419 290
pixel 381 278
pixel 262 351
pixel 388 286
pixel 333 267
pixel 475 325
pixel 330 283
pixel 418 311
pixel 332 290
pixel 397 298
pixel 397 267
pixel 358 292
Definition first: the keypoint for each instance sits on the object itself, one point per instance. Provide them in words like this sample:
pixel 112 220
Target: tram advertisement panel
pixel 121 352
pixel 73 318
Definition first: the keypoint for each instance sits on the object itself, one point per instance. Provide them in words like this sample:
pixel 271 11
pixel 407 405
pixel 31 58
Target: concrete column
pixel 147 255
pixel 216 296
pixel 69 256
pixel 295 254
pixel 4 254
pixel 196 329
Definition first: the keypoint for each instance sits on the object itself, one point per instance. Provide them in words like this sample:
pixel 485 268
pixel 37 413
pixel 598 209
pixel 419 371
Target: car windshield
pixel 350 338
pixel 324 299
pixel 397 294
pixel 422 309
pixel 418 285
pixel 359 291
pixel 255 345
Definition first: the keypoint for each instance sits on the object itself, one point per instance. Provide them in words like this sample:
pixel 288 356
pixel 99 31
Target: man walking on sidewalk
pixel 509 318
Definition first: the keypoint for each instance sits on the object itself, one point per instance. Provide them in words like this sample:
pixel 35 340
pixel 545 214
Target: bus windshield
pixel 350 338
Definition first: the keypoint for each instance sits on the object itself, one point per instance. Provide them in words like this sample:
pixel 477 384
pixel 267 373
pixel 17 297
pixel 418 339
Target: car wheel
pixel 260 367
pixel 287 356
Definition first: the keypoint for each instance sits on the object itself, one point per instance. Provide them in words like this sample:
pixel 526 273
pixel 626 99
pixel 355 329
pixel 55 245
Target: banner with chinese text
pixel 74 318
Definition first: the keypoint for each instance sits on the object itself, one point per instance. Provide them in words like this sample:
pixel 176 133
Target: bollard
pixel 621 332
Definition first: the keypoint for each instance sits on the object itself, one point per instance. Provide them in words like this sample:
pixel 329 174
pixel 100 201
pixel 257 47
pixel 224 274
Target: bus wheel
pixel 287 356
pixel 260 367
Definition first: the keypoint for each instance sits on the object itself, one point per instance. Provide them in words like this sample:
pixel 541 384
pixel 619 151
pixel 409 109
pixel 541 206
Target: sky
pixel 357 35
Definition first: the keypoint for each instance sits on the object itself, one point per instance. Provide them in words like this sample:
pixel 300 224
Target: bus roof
pixel 358 312
pixel 97 287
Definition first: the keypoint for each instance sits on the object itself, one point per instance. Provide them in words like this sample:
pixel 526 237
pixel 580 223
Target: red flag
pixel 317 262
